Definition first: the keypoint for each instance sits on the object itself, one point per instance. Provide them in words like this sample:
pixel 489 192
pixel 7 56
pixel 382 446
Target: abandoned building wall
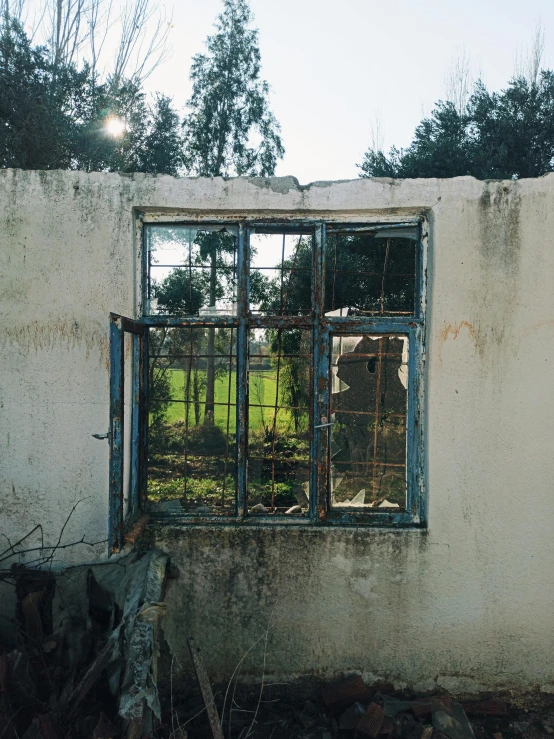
pixel 468 603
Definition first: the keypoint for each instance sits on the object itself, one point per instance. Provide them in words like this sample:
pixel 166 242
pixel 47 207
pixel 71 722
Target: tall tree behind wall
pixel 230 129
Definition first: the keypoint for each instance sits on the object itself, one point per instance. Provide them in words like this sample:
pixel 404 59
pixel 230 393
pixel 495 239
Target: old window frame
pixel 322 328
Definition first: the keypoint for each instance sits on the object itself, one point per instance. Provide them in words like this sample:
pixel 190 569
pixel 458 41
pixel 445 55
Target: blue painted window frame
pixel 322 328
pixel 118 519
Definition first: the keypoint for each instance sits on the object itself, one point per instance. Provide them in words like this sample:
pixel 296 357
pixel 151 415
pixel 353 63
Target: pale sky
pixel 334 67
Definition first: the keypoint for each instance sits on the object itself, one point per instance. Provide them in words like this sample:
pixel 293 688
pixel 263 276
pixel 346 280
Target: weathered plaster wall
pixel 467 604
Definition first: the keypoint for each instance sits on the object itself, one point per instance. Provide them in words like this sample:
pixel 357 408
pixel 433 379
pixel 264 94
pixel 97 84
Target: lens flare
pixel 115 127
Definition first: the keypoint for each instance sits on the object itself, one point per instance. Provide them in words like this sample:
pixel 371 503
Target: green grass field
pixel 262 392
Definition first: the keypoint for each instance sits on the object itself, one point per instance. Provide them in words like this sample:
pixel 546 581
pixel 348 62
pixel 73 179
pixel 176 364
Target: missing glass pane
pixel 371 272
pixel 192 271
pixel 192 420
pixel 280 273
pixel 368 415
pixel 279 426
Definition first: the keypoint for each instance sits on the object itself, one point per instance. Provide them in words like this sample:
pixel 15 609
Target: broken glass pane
pixel 279 427
pixel 280 273
pixel 368 417
pixel 192 419
pixel 371 272
pixel 192 271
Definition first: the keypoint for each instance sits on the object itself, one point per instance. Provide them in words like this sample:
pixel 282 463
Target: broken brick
pixel 47 727
pixel 30 606
pixel 371 722
pixel 489 707
pixel 424 709
pixel 388 727
pixel 342 694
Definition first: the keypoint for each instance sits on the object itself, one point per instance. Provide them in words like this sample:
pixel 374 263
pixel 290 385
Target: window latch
pixel 101 436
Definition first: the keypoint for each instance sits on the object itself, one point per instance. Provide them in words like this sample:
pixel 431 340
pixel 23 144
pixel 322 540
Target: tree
pixel 35 116
pixel 53 115
pixel 162 152
pixel 229 104
pixel 502 135
pixel 230 128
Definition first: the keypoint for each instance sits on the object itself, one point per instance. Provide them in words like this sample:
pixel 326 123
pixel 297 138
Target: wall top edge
pixel 278 184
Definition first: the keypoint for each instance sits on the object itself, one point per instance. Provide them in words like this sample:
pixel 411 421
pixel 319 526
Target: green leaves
pixel 53 116
pixel 230 128
pixel 499 136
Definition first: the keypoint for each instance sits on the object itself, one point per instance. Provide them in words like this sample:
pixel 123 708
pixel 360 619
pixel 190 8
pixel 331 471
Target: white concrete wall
pixel 467 604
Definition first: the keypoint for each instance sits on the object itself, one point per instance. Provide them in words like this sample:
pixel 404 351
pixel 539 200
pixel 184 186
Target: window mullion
pixel 242 366
pixel 414 500
pixel 319 456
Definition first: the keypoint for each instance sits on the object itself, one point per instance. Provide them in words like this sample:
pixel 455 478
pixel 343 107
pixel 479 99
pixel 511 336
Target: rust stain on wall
pixel 454 331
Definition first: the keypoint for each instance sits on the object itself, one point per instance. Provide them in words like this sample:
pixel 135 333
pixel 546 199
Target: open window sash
pixel 126 457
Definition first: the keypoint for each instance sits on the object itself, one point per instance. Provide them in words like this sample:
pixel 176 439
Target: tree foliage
pixel 499 135
pixel 230 128
pixel 53 115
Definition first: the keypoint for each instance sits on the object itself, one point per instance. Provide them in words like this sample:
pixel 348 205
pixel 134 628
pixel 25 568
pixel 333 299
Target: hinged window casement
pixel 284 371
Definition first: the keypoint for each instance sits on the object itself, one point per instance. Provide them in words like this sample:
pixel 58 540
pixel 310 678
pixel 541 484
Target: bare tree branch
pixel 140 51
pixel 99 21
pixel 14 8
pixel 459 80
pixel 47 553
pixel 77 30
pixel 528 59
pixel 376 131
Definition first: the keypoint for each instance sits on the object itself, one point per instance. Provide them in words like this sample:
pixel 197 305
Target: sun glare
pixel 115 127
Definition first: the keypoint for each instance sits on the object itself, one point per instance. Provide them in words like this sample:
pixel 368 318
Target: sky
pixel 338 68
pixel 335 68
pixel 341 69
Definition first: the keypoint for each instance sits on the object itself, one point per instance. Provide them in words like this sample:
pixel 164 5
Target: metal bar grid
pixel 322 328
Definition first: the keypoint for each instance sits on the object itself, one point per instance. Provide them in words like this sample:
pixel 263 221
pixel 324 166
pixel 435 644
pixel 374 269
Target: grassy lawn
pixel 205 468
pixel 262 392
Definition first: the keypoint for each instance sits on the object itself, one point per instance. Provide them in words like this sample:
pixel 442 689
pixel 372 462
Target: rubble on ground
pixel 83 659
pixel 87 649
pixel 350 709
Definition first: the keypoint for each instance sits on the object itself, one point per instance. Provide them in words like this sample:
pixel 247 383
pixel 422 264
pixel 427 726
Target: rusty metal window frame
pixel 322 328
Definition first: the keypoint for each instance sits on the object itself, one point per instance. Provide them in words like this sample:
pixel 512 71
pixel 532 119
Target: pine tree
pixel 230 128
pixel 229 105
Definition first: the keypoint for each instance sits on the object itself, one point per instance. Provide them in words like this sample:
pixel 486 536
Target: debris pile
pixel 87 649
pixel 83 660
pixel 348 709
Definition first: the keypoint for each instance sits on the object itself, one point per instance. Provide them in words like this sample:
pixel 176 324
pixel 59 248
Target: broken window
pixel 368 415
pixel 284 371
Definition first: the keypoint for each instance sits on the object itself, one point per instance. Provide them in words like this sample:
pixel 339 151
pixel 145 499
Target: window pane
pixel 368 414
pixel 279 421
pixel 192 420
pixel 192 270
pixel 280 274
pixel 371 272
